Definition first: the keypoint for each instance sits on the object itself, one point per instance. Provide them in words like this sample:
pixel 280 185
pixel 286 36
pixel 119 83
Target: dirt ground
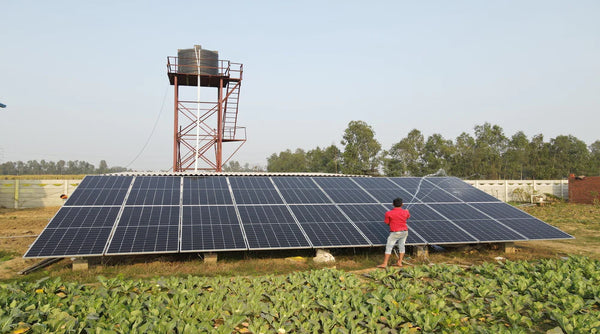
pixel 18 229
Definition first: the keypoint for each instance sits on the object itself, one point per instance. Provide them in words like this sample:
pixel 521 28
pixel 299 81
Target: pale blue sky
pixel 85 80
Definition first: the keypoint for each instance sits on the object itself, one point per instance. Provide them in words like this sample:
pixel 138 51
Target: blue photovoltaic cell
pixel 96 197
pixel 75 231
pixel 365 213
pixel 61 242
pixel 343 190
pixel 458 211
pixel 501 210
pixel 334 234
pixel 440 232
pixel 206 190
pixel 423 191
pixel 296 190
pixel 145 239
pixel 75 217
pixel 318 213
pixel 326 226
pixel 153 197
pixel 211 228
pixel 254 190
pixel 100 190
pixel 488 230
pixel 165 214
pixel 384 190
pixel 265 214
pixel 149 216
pixel 155 190
pixel 208 237
pixel 462 190
pixel 534 228
pixel 272 236
pixel 105 182
pixel 209 215
pixel 433 227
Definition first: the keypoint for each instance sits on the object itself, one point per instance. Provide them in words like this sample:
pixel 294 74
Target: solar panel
pixel 100 191
pixel 154 190
pixel 297 190
pixel 209 228
pixel 255 190
pixel 343 190
pixel 327 226
pixel 206 190
pixel 109 215
pixel 75 231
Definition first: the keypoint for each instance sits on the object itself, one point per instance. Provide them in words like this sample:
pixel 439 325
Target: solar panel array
pixel 112 215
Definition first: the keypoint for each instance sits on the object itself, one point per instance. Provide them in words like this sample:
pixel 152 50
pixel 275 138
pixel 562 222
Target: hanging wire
pixel 153 128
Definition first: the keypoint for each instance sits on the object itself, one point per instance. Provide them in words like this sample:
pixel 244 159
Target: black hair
pixel 397 202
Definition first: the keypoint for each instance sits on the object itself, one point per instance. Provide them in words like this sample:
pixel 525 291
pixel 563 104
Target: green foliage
pixel 287 161
pixel 43 167
pixel 361 149
pixel 489 154
pixel 508 297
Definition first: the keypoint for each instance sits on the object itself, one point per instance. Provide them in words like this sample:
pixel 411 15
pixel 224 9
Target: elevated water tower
pixel 204 117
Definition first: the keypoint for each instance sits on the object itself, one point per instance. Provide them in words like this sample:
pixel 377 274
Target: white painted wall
pixel 34 193
pixel 39 193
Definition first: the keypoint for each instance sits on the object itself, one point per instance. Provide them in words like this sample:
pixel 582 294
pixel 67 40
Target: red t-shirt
pixel 396 218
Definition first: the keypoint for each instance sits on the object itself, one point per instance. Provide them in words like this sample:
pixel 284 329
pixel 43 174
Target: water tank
pixel 188 61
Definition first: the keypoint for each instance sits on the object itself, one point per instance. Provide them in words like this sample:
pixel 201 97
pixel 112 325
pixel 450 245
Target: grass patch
pixel 5 256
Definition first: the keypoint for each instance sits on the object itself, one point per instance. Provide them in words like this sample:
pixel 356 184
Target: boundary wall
pixel 19 194
pixel 521 190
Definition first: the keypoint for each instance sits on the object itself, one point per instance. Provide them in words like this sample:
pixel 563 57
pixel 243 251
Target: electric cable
pixel 153 128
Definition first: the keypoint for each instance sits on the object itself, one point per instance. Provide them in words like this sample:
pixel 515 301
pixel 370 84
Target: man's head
pixel 397 202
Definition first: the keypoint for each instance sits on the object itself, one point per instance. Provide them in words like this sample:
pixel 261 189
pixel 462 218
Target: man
pixel 396 219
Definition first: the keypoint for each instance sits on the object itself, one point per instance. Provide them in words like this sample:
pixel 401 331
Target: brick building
pixel 584 189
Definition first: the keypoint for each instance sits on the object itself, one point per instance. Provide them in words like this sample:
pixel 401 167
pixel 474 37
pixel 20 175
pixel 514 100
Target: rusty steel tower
pixel 202 124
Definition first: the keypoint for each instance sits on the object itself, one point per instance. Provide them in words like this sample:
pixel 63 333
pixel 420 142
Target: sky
pixel 87 80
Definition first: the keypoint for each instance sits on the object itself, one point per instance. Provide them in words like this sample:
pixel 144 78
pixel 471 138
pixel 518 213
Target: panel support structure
pixel 421 252
pixel 210 258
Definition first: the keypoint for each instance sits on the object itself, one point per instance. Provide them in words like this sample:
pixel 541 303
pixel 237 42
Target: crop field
pixel 506 297
pixel 545 285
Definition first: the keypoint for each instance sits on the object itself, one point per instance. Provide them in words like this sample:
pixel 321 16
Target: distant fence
pixel 521 190
pixel 34 193
pixel 39 193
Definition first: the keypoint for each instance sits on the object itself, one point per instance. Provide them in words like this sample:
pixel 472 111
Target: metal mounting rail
pixel 42 264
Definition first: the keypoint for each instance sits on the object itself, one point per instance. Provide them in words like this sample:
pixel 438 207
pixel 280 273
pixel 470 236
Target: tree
pixel 102 167
pixel 437 152
pixel 539 157
pixel 515 158
pixel 287 161
pixel 594 165
pixel 323 161
pixel 406 156
pixel 568 155
pixel 462 161
pixel 490 145
pixel 361 149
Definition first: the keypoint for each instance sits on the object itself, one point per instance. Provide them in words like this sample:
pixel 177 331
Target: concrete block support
pixel 509 247
pixel 80 264
pixel 210 258
pixel 421 252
